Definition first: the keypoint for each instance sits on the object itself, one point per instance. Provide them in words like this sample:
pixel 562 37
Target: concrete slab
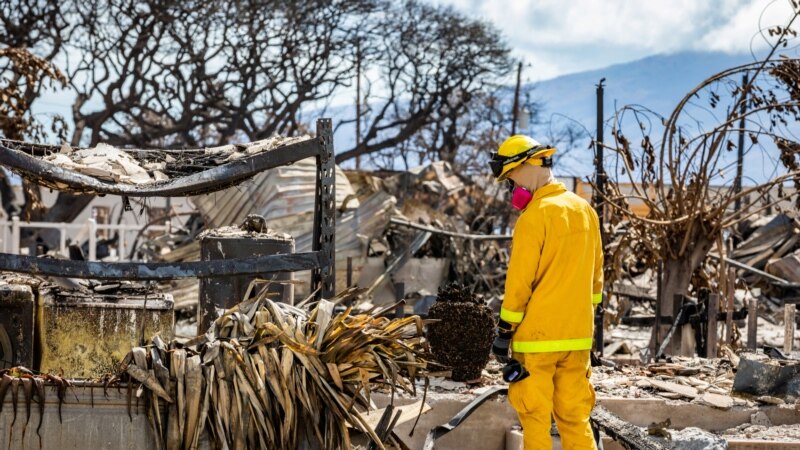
pixel 644 411
pixel 107 425
pixel 733 444
pixel 485 428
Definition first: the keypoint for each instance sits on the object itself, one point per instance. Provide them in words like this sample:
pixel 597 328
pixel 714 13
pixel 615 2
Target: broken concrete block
pixel 716 400
pixel 769 400
pixel 760 418
pixel 677 389
pixel 696 439
pixel 514 438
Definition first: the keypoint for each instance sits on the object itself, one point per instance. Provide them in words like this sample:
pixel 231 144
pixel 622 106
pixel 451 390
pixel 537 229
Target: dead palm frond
pixel 270 375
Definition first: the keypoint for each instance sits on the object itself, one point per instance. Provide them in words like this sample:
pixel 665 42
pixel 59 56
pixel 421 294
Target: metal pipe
pixel 92 239
pixel 515 111
pixel 475 237
pixel 742 266
pixel 62 241
pixel 160 271
pixel 15 235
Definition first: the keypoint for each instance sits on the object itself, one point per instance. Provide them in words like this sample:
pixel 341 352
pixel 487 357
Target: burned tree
pixel 429 70
pixel 207 72
pixel 32 33
pixel 686 178
pixel 189 73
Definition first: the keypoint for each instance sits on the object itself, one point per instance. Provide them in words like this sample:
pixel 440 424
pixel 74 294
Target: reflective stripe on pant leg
pixel 573 400
pixel 532 398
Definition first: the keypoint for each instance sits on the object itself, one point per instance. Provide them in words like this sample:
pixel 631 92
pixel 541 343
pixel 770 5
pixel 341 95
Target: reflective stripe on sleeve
pixel 597 298
pixel 511 316
pixel 565 345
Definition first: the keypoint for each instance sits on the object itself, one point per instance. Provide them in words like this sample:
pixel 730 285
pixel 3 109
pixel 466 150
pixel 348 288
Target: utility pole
pixel 600 173
pixel 358 100
pixel 599 203
pixel 737 184
pixel 516 100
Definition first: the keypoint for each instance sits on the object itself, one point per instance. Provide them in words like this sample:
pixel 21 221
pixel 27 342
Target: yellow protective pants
pixel 559 385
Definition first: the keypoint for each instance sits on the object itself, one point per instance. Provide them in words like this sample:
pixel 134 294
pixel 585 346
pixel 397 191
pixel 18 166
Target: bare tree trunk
pixel 677 278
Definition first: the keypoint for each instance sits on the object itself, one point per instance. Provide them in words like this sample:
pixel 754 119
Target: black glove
pixel 502 341
pixel 500 350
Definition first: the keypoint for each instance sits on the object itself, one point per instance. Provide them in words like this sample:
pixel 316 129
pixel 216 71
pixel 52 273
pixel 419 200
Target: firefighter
pixel 553 284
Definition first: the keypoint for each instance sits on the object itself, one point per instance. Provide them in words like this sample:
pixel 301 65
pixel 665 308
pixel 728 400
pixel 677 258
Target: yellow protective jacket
pixel 555 275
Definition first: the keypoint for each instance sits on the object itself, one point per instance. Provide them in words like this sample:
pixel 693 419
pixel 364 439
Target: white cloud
pixel 560 36
pixel 746 30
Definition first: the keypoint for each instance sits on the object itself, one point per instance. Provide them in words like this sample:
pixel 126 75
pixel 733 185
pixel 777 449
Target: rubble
pixel 696 439
pixel 400 236
pixel 780 433
pixel 104 162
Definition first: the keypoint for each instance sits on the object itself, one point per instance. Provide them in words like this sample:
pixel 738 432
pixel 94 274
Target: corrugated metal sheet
pixel 354 228
pixel 283 195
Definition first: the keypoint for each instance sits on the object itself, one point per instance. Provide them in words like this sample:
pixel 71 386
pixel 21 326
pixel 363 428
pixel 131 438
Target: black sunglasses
pixel 498 161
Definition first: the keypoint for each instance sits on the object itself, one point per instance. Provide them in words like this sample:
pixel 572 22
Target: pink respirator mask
pixel 520 197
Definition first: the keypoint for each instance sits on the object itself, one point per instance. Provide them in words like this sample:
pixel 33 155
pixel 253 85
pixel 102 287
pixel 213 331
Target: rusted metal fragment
pixel 159 271
pixel 211 180
pixel 767 377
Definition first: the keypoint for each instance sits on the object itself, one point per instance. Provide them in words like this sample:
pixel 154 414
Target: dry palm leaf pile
pixel 270 375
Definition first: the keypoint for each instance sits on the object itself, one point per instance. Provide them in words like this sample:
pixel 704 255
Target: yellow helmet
pixel 516 150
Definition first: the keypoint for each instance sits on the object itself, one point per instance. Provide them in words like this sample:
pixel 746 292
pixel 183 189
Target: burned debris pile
pixel 761 263
pixel 108 170
pixel 462 333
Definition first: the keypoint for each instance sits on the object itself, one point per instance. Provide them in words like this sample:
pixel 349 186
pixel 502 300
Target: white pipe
pixel 15 235
pixel 92 240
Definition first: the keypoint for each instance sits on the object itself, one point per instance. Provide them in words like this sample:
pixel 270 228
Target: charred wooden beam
pixel 213 179
pixel 159 271
pixel 628 435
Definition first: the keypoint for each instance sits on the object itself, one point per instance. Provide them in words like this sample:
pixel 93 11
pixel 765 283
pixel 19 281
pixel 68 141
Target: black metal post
pixel 324 279
pixel 600 173
pixel 400 295
pixel 600 178
pixel 515 112
pixel 358 101
pixel 349 271
pixel 737 184
pixel 657 324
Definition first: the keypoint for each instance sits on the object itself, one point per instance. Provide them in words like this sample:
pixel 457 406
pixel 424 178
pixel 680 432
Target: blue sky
pixel 558 37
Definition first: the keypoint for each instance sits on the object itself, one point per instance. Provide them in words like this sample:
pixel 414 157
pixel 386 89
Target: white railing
pixel 91 227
